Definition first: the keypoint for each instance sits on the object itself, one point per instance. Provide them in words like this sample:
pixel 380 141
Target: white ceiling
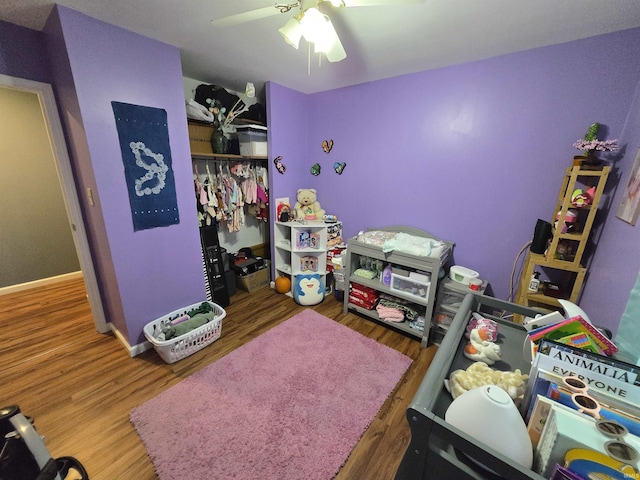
pixel 380 41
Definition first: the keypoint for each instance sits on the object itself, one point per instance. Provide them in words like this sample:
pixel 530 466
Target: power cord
pixel 513 270
pixel 503 314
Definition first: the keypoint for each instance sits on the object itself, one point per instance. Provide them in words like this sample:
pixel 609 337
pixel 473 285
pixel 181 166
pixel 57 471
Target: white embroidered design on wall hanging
pixel 157 170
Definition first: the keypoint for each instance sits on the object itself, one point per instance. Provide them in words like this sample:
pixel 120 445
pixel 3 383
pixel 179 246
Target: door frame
pixel 44 91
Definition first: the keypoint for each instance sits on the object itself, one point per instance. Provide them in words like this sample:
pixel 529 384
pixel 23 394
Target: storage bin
pixel 253 140
pixel 253 281
pixel 410 286
pixel 180 347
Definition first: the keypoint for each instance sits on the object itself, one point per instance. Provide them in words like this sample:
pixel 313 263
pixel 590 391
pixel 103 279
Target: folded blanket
pixel 361 272
pixel 390 314
pixel 403 242
pixel 411 311
pixel 419 246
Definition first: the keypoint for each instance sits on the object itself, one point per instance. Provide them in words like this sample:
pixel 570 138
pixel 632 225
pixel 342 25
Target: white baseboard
pixel 132 349
pixel 40 283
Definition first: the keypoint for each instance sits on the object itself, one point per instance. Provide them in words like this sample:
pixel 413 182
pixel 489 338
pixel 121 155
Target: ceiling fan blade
pixel 376 3
pixel 243 17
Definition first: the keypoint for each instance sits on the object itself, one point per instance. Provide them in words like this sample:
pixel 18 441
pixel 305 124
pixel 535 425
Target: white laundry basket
pixel 184 345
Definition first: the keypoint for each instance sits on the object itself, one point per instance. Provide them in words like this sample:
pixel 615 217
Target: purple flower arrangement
pixel 600 145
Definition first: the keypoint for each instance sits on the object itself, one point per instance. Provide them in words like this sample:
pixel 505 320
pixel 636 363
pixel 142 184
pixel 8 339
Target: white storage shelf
pixel 426 291
pixel 300 248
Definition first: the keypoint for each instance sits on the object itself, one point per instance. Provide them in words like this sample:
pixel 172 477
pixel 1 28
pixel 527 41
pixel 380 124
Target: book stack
pixel 563 436
pixel 576 332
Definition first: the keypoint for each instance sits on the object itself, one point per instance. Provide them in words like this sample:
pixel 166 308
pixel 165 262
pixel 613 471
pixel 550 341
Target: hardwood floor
pixel 79 385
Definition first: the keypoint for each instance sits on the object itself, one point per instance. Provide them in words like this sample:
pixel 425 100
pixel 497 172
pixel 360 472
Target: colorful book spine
pixel 572 326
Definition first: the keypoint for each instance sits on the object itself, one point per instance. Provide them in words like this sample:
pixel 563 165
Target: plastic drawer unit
pixel 439 450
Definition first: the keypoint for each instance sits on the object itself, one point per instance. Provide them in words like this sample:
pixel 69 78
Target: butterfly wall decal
pixel 339 167
pixel 327 145
pixel 279 165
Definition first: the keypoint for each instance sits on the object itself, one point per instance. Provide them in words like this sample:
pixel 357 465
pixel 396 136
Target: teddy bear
pixel 307 206
pixel 479 374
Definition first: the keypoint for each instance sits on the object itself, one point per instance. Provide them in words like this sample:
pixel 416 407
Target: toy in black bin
pixel 24 456
pixel 245 262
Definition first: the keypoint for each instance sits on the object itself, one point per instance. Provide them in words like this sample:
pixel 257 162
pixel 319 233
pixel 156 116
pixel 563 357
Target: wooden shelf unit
pixel 577 177
pixel 223 156
pixel 572 243
pixel 200 144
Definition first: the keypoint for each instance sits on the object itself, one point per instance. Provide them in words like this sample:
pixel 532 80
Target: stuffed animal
pixel 479 322
pixel 308 289
pixel 580 198
pixel 479 374
pixel 307 206
pixel 480 349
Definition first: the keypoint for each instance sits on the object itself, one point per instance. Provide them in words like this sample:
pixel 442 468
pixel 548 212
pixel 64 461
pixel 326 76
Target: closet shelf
pixel 223 156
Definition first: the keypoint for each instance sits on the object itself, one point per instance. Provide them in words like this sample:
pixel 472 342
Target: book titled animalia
pixel 602 364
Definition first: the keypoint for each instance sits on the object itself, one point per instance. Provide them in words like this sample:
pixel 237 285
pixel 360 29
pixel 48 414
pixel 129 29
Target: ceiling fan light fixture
pixel 314 25
pixel 330 44
pixel 292 32
pixel 336 53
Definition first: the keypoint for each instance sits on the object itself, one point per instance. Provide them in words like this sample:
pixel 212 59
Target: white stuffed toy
pixel 480 349
pixel 307 206
pixel 479 374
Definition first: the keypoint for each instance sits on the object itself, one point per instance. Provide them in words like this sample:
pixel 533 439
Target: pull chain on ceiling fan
pixel 311 24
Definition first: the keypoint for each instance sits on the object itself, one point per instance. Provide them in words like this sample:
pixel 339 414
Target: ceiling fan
pixel 308 22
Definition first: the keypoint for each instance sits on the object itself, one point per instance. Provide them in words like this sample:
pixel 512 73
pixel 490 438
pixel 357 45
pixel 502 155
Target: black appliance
pixel 215 277
pixel 541 236
pixel 23 454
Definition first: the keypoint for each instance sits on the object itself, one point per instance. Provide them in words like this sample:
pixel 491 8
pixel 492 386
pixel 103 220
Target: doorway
pixel 49 112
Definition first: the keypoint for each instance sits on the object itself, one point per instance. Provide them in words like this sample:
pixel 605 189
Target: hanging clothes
pixel 227 193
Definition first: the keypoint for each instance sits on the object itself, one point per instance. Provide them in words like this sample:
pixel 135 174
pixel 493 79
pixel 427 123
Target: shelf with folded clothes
pixel 400 277
pixel 376 284
pixel 402 326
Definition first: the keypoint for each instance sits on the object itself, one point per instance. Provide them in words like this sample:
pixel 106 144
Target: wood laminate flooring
pixel 79 385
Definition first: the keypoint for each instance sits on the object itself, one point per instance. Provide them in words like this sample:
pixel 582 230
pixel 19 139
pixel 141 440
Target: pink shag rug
pixel 290 404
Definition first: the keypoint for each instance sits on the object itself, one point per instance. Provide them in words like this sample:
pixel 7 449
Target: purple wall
pixel 14 42
pixel 150 272
pixel 616 265
pixel 287 117
pixel 474 153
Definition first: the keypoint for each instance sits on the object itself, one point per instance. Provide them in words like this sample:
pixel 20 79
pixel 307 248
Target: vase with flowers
pixel 591 147
pixel 218 140
pixel 222 120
